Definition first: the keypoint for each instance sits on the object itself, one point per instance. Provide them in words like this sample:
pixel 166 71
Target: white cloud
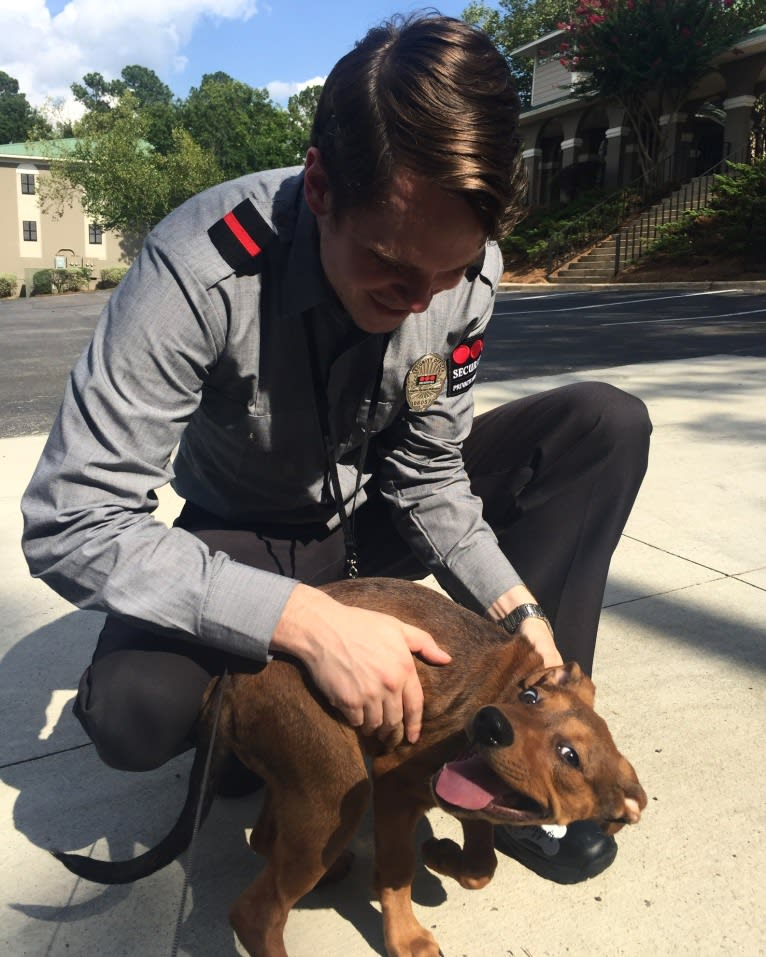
pixel 281 91
pixel 47 51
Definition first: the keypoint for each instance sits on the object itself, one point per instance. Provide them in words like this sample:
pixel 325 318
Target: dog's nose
pixel 491 728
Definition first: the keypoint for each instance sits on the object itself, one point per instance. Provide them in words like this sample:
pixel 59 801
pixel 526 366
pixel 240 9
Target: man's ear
pixel 315 184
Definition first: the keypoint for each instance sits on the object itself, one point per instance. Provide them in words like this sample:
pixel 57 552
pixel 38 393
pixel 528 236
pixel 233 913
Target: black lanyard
pixel 323 411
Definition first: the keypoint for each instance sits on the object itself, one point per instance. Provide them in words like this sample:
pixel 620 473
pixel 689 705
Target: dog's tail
pixel 174 843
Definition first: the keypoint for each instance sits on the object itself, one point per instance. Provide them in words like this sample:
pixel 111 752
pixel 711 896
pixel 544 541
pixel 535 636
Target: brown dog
pixel 504 741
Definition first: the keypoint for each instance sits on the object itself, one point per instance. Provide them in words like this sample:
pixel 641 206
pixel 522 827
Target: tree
pixel 50 122
pixel 153 98
pixel 97 94
pixel 188 169
pixel 239 124
pixel 301 108
pixel 17 117
pixel 156 101
pixel 647 55
pixel 522 22
pixel 120 180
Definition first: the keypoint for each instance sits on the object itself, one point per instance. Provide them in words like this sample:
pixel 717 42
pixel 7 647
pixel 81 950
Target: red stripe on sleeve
pixel 242 234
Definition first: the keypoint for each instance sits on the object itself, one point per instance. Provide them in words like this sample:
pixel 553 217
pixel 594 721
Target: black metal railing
pixel 635 238
pixel 606 218
pixel 603 219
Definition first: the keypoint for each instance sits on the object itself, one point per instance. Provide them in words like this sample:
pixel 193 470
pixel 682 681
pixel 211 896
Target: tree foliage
pixel 121 181
pixel 238 123
pixel 301 108
pixel 140 152
pixel 17 117
pixel 152 97
pixel 514 24
pixel 648 54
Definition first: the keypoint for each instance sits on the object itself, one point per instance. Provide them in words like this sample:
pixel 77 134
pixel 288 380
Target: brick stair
pixel 597 264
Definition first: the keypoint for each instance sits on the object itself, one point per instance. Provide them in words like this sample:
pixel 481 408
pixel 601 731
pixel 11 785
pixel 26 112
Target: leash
pixel 198 814
pixel 323 413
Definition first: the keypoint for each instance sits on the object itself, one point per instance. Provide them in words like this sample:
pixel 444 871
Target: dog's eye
pixel 571 757
pixel 529 696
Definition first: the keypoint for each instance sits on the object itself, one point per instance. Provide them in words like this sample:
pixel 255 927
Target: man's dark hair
pixel 430 95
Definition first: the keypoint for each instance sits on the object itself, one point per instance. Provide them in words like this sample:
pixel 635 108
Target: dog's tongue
pixel 469 784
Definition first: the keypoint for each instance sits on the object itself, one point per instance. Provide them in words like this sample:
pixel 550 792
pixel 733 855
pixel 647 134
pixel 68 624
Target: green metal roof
pixel 41 150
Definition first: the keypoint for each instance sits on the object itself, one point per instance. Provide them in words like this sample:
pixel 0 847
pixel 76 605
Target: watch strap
pixel 528 609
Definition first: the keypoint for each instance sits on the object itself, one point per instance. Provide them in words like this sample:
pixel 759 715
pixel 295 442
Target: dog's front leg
pixel 395 822
pixel 472 865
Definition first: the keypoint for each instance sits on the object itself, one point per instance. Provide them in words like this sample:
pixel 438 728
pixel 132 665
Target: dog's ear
pixel 569 676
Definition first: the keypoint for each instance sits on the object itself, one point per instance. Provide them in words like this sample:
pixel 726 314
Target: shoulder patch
pixel 241 235
pixel 463 364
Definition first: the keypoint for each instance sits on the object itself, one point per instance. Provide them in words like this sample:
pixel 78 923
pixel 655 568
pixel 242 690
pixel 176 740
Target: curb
pixel 753 287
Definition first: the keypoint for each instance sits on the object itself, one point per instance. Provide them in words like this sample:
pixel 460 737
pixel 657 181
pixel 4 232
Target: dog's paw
pixel 441 855
pixel 422 944
pixel 448 858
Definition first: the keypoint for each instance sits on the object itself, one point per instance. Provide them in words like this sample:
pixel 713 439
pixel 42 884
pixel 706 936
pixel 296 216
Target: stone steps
pixel 597 264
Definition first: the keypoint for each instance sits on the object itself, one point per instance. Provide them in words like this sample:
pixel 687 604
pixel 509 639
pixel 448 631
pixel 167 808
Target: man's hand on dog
pixel 361 660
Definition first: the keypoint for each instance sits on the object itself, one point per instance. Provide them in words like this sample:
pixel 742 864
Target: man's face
pixel 389 261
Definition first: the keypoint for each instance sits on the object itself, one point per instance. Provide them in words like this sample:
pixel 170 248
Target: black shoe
pixel 566 858
pixel 235 780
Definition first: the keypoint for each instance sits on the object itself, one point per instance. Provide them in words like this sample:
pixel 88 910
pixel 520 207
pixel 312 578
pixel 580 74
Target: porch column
pixel 739 123
pixel 532 162
pixel 614 152
pixel 568 158
pixel 673 159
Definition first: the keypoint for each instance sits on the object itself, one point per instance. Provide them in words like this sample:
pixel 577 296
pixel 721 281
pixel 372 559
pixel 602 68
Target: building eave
pixel 527 49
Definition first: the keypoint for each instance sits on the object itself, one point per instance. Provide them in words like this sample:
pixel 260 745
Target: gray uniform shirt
pixel 194 354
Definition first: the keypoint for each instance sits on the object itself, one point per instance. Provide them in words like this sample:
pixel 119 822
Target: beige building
pixel 572 141
pixel 31 240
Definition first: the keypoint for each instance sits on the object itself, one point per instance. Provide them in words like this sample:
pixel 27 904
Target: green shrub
pixel 41 282
pixel 527 245
pixel 733 222
pixel 72 279
pixel 8 285
pixel 111 277
pixel 684 235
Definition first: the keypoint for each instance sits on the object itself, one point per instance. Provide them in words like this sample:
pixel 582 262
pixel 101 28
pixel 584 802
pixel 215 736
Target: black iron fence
pixel 633 239
pixel 605 217
pixel 638 205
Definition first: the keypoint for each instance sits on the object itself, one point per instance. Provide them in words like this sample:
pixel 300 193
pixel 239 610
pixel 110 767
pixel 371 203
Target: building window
pixel 28 184
pixel 95 235
pixel 30 231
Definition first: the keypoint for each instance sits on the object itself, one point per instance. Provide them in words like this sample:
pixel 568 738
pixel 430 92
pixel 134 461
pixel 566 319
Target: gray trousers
pixel 557 472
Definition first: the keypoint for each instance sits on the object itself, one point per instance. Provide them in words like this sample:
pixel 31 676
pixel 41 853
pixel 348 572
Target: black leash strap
pixel 198 813
pixel 323 411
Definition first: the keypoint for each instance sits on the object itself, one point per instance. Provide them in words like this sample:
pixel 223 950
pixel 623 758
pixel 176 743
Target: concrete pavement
pixel 681 676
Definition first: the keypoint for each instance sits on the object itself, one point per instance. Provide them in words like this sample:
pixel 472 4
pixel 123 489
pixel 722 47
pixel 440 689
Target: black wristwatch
pixel 512 621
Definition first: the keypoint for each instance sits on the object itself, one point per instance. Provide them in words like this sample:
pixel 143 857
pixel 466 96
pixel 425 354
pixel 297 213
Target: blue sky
pixel 293 41
pixel 281 44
